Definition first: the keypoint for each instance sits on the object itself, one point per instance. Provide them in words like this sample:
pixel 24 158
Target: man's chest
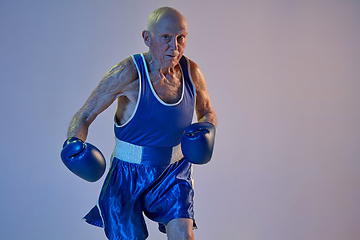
pixel 169 91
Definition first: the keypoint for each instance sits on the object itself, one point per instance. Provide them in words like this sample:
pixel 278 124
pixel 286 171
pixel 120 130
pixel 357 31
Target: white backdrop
pixel 283 78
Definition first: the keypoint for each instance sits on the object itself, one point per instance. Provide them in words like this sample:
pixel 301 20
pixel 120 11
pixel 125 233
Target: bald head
pixel 164 14
pixel 165 37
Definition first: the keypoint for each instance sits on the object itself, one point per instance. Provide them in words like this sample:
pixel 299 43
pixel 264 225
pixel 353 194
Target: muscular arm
pixel 204 110
pixel 112 85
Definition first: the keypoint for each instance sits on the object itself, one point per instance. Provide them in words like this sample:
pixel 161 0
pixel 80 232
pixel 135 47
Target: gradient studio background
pixel 284 81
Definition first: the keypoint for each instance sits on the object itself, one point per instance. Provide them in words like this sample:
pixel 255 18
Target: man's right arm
pixel 111 86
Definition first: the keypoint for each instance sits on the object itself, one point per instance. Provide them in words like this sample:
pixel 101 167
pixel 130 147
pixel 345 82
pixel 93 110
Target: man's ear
pixel 146 37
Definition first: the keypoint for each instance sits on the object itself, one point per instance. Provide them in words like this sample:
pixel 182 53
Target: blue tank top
pixel 155 123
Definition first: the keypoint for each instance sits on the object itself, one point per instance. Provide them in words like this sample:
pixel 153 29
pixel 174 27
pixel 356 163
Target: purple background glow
pixel 284 80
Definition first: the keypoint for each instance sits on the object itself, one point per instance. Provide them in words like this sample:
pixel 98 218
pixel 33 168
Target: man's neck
pixel 156 69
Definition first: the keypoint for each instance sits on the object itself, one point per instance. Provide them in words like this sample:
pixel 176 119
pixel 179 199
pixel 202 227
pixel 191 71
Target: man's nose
pixel 173 44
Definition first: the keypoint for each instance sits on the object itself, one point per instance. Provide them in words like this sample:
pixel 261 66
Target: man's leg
pixel 180 229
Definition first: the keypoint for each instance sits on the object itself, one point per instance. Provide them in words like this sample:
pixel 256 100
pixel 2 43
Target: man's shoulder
pixel 192 64
pixel 194 69
pixel 126 65
pixel 125 70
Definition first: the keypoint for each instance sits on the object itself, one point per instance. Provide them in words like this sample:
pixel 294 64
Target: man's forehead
pixel 171 24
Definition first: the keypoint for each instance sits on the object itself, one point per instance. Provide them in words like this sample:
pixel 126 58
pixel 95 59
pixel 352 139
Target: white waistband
pixel 146 155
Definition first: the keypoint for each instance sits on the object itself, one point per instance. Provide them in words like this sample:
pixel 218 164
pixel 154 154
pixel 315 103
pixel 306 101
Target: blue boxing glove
pixel 198 142
pixel 83 159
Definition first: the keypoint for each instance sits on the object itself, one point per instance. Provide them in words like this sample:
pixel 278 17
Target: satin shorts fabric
pixel 162 193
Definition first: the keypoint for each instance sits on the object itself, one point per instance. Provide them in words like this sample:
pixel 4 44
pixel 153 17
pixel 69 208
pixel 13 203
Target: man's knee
pixel 180 229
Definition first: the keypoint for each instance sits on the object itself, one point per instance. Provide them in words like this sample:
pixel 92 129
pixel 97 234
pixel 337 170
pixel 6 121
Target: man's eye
pixel 181 38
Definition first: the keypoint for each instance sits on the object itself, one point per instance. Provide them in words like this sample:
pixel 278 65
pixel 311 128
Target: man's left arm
pixel 204 110
pixel 198 141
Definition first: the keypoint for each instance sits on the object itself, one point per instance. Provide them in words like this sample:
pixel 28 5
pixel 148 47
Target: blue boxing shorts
pixel 162 193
